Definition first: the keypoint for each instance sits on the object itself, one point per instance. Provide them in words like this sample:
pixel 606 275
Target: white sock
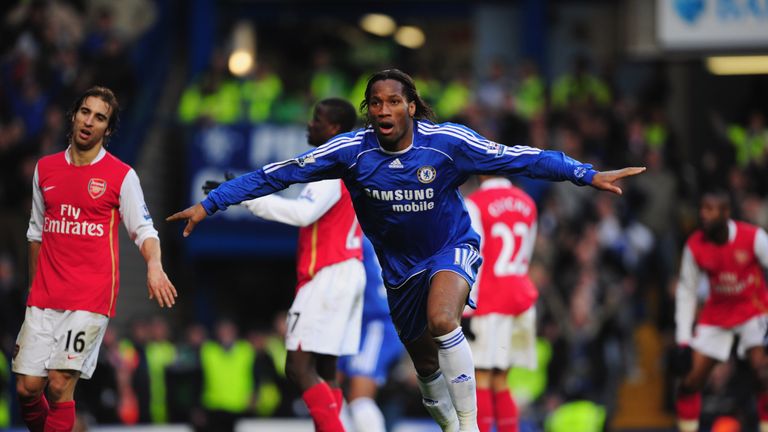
pixel 455 359
pixel 366 415
pixel 437 401
pixel 687 425
pixel 346 417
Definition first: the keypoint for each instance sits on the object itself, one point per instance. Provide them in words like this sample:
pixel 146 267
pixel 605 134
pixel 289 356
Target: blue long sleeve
pixel 330 160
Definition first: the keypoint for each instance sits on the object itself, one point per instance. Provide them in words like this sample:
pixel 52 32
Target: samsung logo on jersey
pixel 401 194
pixel 417 197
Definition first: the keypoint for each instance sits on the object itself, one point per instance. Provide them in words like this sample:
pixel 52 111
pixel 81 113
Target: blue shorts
pixel 379 350
pixel 408 301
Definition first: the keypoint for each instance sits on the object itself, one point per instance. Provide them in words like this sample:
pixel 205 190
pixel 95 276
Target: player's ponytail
pixel 423 110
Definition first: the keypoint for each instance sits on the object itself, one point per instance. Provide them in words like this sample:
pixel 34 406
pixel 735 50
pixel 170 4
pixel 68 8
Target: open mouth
pixel 386 127
pixel 84 134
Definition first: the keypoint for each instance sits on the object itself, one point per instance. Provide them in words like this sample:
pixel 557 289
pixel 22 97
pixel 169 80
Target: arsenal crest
pixel 96 187
pixel 741 256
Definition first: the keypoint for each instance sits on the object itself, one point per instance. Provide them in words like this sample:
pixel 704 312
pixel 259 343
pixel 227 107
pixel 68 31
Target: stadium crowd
pixel 604 266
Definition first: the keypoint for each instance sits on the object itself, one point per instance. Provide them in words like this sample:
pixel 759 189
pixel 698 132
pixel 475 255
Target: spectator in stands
pixel 229 378
pixel 184 379
pixel 213 98
pixel 260 92
pixel 580 87
pixel 161 353
pixel 133 405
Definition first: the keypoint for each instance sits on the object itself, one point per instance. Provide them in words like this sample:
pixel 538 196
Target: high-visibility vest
pixel 569 88
pixel 454 98
pixel 527 385
pixel 5 398
pixel 260 95
pixel 227 376
pixel 749 146
pixel 159 356
pixel 223 105
pixel 530 98
pixel 268 398
pixel 656 135
pixel 275 347
pixel 326 84
pixel 579 415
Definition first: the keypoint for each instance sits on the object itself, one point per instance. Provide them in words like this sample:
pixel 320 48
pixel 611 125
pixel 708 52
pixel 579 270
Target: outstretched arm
pixel 605 180
pixel 328 161
pixel 475 154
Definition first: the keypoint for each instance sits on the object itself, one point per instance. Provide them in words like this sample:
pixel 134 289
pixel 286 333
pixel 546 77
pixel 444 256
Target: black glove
pixel 466 327
pixel 681 360
pixel 210 185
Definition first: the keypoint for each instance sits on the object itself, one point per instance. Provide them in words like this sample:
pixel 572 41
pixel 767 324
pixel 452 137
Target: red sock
pixel 688 406
pixel 762 406
pixel 484 409
pixel 322 407
pixel 61 418
pixel 338 396
pixel 34 413
pixel 506 411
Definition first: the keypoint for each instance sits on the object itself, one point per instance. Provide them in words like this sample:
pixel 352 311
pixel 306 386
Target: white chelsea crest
pixel 426 174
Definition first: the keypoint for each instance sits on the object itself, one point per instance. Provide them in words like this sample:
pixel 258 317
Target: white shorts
pixel 503 341
pixel 716 342
pixel 326 315
pixel 52 339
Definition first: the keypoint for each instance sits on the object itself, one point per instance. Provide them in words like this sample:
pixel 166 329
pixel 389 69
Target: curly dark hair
pixel 423 110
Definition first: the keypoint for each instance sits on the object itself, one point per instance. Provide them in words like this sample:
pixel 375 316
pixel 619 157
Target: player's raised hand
pixel 160 287
pixel 192 215
pixel 605 180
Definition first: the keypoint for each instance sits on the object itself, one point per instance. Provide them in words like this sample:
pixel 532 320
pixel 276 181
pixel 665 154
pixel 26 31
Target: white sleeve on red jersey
pixel 685 297
pixel 35 229
pixel 134 211
pixel 761 247
pixel 314 201
pixel 475 217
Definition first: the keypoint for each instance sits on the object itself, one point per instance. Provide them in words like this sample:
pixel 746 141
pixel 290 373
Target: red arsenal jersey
pixel 334 237
pixel 506 218
pixel 737 288
pixel 77 268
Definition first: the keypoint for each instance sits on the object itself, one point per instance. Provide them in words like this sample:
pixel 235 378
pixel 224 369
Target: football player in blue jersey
pixel 380 349
pixel 403 172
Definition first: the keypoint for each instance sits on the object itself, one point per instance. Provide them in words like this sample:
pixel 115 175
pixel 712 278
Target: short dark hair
pixel 423 110
pixel 719 194
pixel 108 97
pixel 340 112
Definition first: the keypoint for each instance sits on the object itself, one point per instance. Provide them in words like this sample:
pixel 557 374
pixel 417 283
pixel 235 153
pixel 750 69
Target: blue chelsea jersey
pixel 407 202
pixel 375 305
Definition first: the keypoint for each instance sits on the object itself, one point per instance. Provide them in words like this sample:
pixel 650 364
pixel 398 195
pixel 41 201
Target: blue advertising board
pixel 213 151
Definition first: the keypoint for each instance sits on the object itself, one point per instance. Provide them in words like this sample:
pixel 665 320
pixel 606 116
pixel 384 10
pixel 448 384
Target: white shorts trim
pixel 326 315
pixel 716 342
pixel 504 341
pixel 52 339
